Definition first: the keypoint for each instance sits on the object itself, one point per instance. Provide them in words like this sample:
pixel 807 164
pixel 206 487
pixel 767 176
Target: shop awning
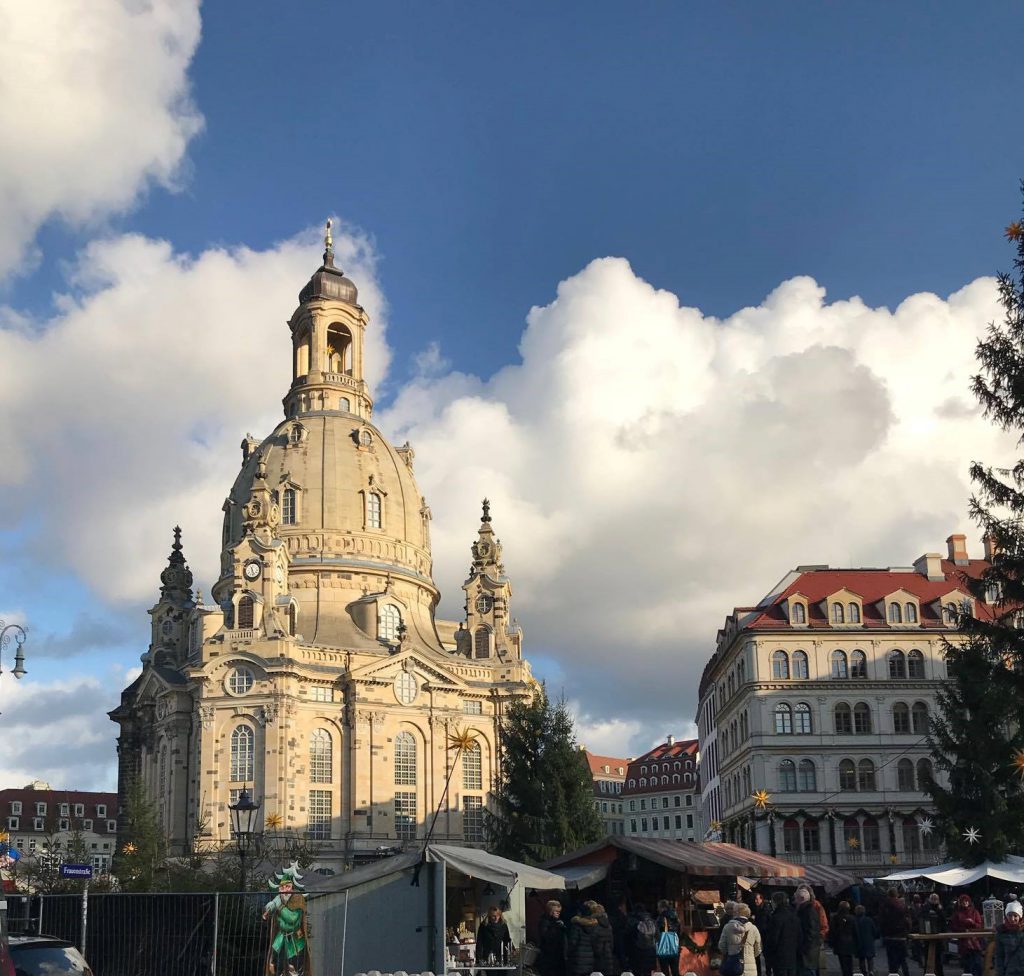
pixel 498 870
pixel 832 880
pixel 580 876
pixel 956 875
pixel 687 857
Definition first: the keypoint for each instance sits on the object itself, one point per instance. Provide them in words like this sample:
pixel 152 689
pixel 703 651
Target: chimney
pixel 992 547
pixel 930 566
pixel 957 549
pixel 671 740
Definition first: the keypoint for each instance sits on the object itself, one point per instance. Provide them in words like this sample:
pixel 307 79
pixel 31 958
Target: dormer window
pixel 838 614
pixel 895 613
pixel 797 613
pixel 910 613
pixel 853 613
pixel 389 622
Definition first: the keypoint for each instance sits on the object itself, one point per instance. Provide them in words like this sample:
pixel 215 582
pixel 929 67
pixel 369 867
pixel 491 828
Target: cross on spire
pixel 328 245
pixel 487 511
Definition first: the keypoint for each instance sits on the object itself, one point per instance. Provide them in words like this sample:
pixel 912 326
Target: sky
pixel 691 292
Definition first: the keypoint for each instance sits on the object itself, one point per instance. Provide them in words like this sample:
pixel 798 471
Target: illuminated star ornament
pixel 1018 762
pixel 972 835
pixel 273 821
pixel 761 799
pixel 461 740
pixel 1015 231
pixel 4 836
pixel 926 824
pixel 853 843
pixel 129 848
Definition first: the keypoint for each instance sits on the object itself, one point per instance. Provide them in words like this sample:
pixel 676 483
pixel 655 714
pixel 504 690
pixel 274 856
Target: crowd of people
pixel 780 936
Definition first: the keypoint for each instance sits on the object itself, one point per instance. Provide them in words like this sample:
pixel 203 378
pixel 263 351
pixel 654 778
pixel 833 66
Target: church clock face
pixel 405 688
pixel 252 569
pixel 484 603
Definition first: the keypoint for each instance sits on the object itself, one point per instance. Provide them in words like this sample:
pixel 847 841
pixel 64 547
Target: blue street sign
pixel 76 871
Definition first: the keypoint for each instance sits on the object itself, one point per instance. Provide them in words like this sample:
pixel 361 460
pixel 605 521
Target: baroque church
pixel 318 677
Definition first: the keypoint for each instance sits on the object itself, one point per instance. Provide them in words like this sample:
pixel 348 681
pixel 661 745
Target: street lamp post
pixel 243 821
pixel 20 636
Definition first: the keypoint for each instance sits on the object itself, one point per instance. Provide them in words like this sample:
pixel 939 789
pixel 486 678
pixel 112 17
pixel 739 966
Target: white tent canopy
pixel 498 870
pixel 955 875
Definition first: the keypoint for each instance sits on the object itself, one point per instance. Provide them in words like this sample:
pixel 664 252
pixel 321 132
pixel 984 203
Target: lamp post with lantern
pixel 244 814
pixel 20 635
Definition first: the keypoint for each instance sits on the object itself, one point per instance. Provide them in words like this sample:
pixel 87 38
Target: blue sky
pixel 480 157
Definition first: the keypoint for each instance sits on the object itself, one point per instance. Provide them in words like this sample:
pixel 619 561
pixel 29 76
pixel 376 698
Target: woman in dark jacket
pixel 602 940
pixel 782 938
pixel 842 936
pixel 1009 956
pixel 580 960
pixel 551 940
pixel 867 936
pixel 492 938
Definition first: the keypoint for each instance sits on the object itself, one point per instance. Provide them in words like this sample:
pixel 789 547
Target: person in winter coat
pixel 580 944
pixel 782 938
pixel 761 912
pixel 1009 955
pixel 551 941
pixel 933 919
pixel 842 936
pixel 602 940
pixel 810 932
pixel 642 938
pixel 492 938
pixel 667 921
pixel 741 936
pixel 894 923
pixel 867 936
pixel 967 918
pixel 619 919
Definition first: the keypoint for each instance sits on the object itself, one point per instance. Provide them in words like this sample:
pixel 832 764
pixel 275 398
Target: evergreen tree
pixel 141 863
pixel 544 803
pixel 977 738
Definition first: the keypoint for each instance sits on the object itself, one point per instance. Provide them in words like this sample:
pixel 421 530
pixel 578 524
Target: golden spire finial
pixel 328 240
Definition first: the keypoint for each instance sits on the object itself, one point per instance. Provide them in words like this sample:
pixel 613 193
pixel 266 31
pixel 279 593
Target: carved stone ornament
pixel 205 715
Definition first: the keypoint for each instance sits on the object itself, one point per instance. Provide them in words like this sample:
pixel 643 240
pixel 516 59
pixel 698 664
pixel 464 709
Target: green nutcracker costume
pixel 288 954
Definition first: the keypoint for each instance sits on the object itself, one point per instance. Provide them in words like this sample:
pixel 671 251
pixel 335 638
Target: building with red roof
pixel 609 776
pixel 819 699
pixel 662 792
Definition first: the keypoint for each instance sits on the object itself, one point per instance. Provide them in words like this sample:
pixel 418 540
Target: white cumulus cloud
pixel 94 106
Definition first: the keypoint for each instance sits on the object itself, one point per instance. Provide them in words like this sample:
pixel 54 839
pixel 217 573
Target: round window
pixel 405 688
pixel 483 603
pixel 240 681
pixel 365 438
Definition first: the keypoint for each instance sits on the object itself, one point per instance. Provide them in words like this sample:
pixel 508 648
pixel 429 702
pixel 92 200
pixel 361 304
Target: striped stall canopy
pixel 832 880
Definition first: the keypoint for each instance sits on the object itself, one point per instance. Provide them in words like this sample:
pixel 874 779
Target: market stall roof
pixel 832 880
pixel 707 859
pixel 955 875
pixel 498 870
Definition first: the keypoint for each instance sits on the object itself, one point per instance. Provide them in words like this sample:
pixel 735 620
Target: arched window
pixel 800 668
pixel 858 665
pixel 643 782
pixel 915 664
pixel 861 719
pixel 787 776
pixel 676 778
pixel 798 613
pixel 288 507
pixel 802 719
pixel 844 719
pixel 895 614
pixel 904 775
pixel 482 642
pixel 243 754
pixel 373 510
pixel 866 776
pixel 345 404
pixel 405 759
pixel 911 836
pixel 900 718
pixel 780 665
pixel 388 622
pixel 925 774
pixel 812 835
pixel 783 719
pixel 246 612
pixel 897 664
pixel 840 668
pixel 808 780
pixel 853 613
pixel 919 718
pixel 910 613
pixel 872 839
pixel 791 837
pixel 472 768
pixel 320 764
pixel 949 614
pixel 838 616
pixel 847 775
pixel 293 619
pixel 851 834
pixel 664 781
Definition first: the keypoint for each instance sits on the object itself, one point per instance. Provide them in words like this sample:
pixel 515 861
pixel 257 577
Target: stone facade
pixel 662 792
pixel 318 676
pixel 821 696
pixel 609 776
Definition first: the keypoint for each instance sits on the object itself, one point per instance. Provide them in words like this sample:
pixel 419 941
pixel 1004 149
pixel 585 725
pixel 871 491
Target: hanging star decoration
pixel 853 843
pixel 761 799
pixel 893 858
pixel 972 835
pixel 1018 762
pixel 1015 231
pixel 716 825
pixel 927 825
pixel 4 836
pixel 274 821
pixel 461 739
pixel 129 848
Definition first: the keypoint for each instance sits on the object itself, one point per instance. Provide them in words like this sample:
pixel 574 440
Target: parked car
pixel 41 955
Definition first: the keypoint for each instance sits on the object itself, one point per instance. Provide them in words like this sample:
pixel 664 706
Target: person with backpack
pixel 842 936
pixel 1009 955
pixel 667 946
pixel 643 930
pixel 867 936
pixel 740 944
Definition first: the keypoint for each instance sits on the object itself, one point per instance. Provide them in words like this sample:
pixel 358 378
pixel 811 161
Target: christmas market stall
pixel 421 911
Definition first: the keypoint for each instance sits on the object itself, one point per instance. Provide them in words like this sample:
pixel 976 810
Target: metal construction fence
pixel 191 934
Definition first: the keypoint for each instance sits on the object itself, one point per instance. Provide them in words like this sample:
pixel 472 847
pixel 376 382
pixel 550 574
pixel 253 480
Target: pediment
pixel 154 685
pixel 418 664
pixel 843 595
pixel 901 596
